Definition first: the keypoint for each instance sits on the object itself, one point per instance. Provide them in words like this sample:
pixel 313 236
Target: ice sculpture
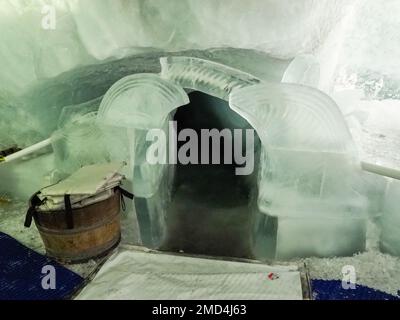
pixel 74 112
pixel 305 140
pixel 203 75
pixel 141 102
pixel 52 101
pixel 254 62
pixel 373 186
pixel 47 84
pixel 303 69
pixel 286 110
pixel 305 144
pixel 138 103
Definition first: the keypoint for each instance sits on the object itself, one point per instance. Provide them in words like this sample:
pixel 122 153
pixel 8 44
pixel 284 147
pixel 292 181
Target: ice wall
pixel 50 78
pixel 306 143
pixel 87 31
pixel 179 25
pixel 369 57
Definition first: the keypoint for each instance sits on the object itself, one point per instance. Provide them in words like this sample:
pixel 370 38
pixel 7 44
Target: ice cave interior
pixel 84 82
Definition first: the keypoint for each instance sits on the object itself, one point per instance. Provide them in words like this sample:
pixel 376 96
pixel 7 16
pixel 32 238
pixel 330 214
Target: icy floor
pixel 373 269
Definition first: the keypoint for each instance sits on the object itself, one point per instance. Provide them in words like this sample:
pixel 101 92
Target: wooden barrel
pixel 96 230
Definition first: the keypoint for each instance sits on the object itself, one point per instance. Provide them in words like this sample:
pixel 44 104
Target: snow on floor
pixel 12 217
pixel 373 268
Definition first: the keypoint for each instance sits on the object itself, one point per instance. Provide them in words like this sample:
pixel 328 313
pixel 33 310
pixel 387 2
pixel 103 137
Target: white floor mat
pixel 130 274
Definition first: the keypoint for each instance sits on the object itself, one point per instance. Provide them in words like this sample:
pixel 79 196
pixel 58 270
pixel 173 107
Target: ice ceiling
pixel 343 49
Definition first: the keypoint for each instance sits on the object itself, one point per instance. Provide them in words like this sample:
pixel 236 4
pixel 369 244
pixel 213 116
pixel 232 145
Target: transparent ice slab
pixel 374 187
pixel 137 104
pixel 206 76
pixel 74 112
pixel 79 143
pixel 306 143
pixel 140 101
pixel 293 116
pixel 390 221
pixel 309 173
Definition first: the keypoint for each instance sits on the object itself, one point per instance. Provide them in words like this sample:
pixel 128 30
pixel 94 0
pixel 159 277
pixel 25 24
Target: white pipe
pixel 381 170
pixel 26 151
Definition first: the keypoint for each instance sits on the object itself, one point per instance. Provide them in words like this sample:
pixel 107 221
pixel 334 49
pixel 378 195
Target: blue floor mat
pixel 21 274
pixel 332 290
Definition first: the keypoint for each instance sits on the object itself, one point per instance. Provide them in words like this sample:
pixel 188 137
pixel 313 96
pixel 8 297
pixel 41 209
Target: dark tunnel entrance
pixel 212 208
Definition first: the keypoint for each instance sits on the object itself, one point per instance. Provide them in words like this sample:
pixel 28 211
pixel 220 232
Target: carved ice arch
pixel 304 136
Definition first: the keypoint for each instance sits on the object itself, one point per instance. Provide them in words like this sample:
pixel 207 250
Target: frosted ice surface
pixel 374 125
pixel 74 112
pixel 320 237
pixel 374 188
pixel 140 101
pixel 29 52
pixel 22 178
pixel 309 174
pixel 306 144
pixel 371 47
pixel 204 75
pixel 257 63
pixel 79 143
pixel 110 28
pixel 390 221
pixel 303 69
pixel 294 117
pixel 17 127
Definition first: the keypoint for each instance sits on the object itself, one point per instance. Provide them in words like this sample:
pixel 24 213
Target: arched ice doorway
pixel 301 133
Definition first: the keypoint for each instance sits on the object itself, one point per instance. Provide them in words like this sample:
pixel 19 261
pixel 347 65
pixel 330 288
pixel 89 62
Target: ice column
pixel 139 103
pixel 309 168
pixel 390 222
